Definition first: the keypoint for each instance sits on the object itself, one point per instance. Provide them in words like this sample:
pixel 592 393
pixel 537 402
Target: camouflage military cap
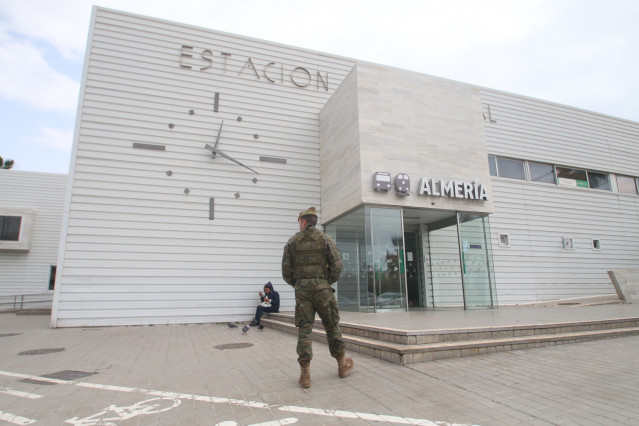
pixel 310 210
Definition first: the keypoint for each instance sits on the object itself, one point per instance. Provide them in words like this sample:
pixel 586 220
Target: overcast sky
pixel 582 53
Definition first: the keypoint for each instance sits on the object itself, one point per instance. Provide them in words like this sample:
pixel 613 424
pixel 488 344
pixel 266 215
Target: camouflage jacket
pixel 330 264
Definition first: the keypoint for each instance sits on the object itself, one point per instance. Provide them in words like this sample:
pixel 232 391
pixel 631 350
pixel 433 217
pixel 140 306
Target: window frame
pixel 24 238
pixel 611 178
pixel 607 175
pixel 633 179
pixel 524 167
pixel 499 239
pixel 595 246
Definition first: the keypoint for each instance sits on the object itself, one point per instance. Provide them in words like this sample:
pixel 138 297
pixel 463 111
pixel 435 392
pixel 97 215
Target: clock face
pixel 217 148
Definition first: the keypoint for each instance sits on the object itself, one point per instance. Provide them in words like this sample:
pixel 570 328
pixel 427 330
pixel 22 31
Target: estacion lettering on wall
pixel 202 59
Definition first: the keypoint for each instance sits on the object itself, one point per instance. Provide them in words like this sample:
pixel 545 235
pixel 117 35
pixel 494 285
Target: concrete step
pixel 413 346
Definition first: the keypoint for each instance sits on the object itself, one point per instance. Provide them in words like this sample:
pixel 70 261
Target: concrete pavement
pixel 214 375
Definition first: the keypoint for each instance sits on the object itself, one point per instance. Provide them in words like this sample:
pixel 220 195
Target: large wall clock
pixel 217 148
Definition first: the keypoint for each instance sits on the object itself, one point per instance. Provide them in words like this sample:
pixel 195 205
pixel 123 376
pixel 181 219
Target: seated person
pixel 271 297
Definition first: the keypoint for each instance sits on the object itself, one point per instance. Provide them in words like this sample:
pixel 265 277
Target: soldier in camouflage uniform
pixel 311 263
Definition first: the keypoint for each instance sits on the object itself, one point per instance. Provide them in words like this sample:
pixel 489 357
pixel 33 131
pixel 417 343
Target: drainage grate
pixel 41 351
pixel 234 346
pixel 10 334
pixel 60 375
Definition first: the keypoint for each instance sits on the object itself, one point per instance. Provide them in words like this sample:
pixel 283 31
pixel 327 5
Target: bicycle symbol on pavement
pixel 114 413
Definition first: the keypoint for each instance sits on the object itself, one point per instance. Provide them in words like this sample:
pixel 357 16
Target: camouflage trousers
pixel 324 303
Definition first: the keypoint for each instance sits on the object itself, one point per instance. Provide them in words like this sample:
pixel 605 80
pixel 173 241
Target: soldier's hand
pixel 261 294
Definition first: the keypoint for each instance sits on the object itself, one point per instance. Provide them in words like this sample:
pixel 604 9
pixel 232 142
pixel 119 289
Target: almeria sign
pixel 453 189
pixel 432 187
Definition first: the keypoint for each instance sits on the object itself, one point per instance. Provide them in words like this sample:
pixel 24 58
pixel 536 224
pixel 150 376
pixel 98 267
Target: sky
pixel 581 53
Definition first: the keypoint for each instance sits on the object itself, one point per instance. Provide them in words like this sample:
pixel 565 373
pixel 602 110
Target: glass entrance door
pixel 475 253
pixel 371 242
pixel 386 254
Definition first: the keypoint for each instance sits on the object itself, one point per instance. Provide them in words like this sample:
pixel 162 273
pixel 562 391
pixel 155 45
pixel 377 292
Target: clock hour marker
pixel 216 101
pixel 191 112
pixel 237 195
pixel 239 118
pixel 149 146
pixel 171 125
pixel 273 159
pixel 256 136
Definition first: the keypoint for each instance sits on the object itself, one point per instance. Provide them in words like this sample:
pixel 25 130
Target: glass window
pixel 10 228
pixel 52 270
pixel 627 184
pixel 572 177
pixel 599 181
pixel 513 169
pixel 492 165
pixel 540 172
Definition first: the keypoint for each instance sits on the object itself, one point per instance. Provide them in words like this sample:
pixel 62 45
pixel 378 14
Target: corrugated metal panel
pixel 536 266
pixel 536 130
pixel 138 248
pixel 536 216
pixel 28 272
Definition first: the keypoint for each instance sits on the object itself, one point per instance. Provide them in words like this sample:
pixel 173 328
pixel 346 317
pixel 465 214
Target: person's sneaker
pixel 254 323
pixel 261 327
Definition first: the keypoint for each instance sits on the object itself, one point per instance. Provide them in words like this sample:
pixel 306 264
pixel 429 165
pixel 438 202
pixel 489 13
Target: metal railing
pixel 18 302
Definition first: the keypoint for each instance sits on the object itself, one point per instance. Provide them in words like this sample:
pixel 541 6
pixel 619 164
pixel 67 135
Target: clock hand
pixel 217 151
pixel 217 140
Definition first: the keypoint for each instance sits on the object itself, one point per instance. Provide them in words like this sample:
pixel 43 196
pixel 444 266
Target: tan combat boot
pixel 344 365
pixel 305 375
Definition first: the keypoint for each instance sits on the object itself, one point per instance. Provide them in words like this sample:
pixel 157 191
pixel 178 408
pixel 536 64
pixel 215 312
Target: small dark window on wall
pixel 10 228
pixel 52 270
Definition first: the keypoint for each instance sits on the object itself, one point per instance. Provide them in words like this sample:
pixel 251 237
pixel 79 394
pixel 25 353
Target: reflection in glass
pixel 626 184
pixel 513 169
pixel 565 175
pixel 387 242
pixel 540 172
pixel 477 262
pixel 371 243
pixel 599 181
pixel 492 165
pixel 10 228
pixel 349 234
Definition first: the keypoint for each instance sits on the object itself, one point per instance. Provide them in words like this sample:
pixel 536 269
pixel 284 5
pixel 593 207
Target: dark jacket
pixel 273 297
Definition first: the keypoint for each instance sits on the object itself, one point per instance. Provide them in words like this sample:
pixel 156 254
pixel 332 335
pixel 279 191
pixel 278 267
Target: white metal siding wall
pixel 536 216
pixel 138 249
pixel 28 272
pixel 542 131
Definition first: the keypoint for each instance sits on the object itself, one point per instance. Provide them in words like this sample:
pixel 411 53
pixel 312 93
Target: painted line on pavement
pixel 16 420
pixel 21 394
pixel 254 404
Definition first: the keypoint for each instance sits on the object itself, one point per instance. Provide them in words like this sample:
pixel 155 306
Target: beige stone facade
pixel 383 119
